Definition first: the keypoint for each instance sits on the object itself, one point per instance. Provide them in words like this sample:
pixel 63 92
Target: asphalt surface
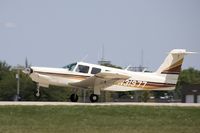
pixel 97 104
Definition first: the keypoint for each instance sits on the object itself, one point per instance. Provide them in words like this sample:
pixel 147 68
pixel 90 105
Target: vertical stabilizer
pixel 173 62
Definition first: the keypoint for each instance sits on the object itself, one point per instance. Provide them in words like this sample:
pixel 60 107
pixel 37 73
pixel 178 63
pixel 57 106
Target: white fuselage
pixel 137 81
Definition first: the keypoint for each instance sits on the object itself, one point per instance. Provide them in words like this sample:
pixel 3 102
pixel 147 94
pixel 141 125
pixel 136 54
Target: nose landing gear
pixel 37 93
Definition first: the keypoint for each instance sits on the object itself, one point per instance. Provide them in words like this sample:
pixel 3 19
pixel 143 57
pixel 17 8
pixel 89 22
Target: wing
pixel 43 80
pixel 100 80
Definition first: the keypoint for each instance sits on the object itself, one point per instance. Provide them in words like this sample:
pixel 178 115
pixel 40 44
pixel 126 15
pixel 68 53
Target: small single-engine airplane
pixel 82 75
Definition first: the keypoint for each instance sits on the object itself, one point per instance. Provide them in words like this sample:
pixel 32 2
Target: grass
pixel 99 119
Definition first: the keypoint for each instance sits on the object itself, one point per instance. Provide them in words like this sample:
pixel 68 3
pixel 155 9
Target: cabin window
pixel 82 69
pixel 95 70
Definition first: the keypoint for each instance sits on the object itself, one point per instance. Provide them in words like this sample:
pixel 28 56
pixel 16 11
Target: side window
pixel 95 70
pixel 82 69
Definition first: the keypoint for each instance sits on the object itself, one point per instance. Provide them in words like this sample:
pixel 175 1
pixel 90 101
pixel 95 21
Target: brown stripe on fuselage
pixel 149 85
pixel 155 87
pixel 160 84
pixel 71 76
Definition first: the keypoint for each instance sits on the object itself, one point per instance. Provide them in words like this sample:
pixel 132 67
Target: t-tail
pixel 171 67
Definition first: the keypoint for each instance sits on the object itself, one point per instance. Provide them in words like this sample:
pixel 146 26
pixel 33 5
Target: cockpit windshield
pixel 70 67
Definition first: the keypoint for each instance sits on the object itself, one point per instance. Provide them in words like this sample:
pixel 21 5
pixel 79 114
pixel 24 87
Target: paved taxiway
pixel 98 104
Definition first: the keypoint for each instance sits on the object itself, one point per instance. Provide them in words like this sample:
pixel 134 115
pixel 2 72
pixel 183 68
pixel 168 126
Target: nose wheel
pixel 74 98
pixel 37 93
pixel 94 98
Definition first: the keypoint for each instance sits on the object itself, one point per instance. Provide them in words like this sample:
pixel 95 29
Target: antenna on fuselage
pixel 142 58
pixel 103 57
pixel 103 61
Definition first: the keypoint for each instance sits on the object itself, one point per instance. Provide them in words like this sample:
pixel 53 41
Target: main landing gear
pixel 93 98
pixel 74 98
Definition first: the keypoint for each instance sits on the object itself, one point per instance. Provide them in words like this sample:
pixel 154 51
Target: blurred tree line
pixel 8 85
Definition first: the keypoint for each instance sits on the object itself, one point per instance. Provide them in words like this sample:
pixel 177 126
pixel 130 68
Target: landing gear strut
pixel 37 92
pixel 74 97
pixel 94 98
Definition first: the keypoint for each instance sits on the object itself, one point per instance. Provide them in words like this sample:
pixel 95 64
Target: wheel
pixel 94 98
pixel 74 98
pixel 37 94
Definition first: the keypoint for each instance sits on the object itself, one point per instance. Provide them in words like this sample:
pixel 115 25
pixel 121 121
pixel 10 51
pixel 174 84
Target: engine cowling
pixel 28 70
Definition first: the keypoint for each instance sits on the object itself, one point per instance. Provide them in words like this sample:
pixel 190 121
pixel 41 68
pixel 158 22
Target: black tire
pixel 94 98
pixel 74 98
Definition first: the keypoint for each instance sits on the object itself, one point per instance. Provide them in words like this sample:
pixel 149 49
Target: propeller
pixel 27 70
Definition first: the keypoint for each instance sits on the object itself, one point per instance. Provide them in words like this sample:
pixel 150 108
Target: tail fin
pixel 173 62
